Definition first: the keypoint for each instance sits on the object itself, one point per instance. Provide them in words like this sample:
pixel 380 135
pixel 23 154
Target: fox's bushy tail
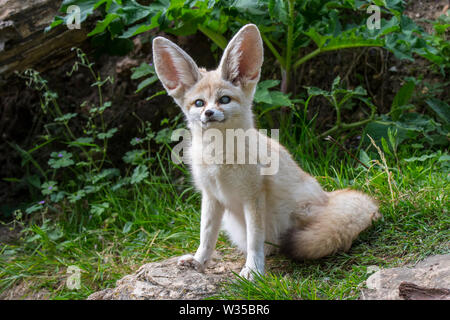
pixel 333 226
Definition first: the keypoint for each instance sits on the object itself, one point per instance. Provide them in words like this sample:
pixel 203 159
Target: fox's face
pixel 220 98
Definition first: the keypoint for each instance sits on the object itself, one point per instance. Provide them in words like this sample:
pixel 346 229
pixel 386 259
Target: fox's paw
pixel 189 261
pixel 247 273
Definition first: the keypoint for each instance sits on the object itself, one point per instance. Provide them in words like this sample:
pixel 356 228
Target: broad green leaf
pixel 262 96
pixel 49 187
pixel 139 174
pixel 66 117
pixel 107 135
pixel 421 158
pixel 102 25
pixel 98 209
pixel 78 195
pixel 278 11
pixel 127 227
pixel 280 99
pixel 364 158
pixel 143 70
pixel 402 98
pixel 134 156
pixel 60 159
pixel 441 108
pixel 146 83
pixel 318 39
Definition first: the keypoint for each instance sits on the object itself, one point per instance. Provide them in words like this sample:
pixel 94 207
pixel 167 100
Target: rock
pixel 166 280
pixel 428 279
pixel 25 290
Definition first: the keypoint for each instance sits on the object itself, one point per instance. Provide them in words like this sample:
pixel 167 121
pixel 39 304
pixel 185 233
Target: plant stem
pixel 289 43
pixel 311 55
pixel 336 127
pixel 274 51
pixel 215 37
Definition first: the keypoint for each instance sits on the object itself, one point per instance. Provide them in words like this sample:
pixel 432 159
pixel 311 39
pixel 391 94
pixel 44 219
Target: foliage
pixel 423 131
pixel 287 26
pixel 73 175
pixel 294 32
pixel 341 98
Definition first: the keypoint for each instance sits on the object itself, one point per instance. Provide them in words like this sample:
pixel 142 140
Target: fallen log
pixel 24 43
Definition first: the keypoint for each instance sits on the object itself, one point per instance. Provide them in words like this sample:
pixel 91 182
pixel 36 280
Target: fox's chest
pixel 230 184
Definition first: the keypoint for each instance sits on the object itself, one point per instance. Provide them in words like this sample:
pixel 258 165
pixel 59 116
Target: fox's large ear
pixel 242 59
pixel 174 67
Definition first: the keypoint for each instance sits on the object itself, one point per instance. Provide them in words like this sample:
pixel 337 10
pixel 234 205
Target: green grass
pixel 159 218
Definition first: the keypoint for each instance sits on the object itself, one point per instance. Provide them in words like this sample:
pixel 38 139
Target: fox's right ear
pixel 174 67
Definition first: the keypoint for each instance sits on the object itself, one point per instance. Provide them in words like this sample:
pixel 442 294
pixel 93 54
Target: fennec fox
pixel 288 208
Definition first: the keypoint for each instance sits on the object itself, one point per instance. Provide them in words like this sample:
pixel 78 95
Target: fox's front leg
pixel 211 218
pixel 254 211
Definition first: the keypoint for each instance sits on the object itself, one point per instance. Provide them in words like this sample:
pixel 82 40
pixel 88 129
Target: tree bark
pixel 23 42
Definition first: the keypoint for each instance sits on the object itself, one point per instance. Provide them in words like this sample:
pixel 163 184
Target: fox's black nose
pixel 209 113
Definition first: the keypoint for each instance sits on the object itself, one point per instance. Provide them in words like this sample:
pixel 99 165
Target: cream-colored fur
pixel 288 208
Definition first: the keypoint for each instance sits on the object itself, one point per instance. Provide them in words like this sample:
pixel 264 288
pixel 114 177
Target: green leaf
pixel 379 129
pixel 441 108
pixel 74 197
pixel 385 146
pixel 134 156
pixel 318 39
pixel 105 174
pixel 364 158
pixel 107 135
pixel 49 187
pixel 262 96
pixel 57 196
pixel 267 84
pixel 389 26
pixel 146 83
pixel 159 93
pixel 60 159
pixel 278 11
pixel 445 157
pixel 127 227
pixel 143 70
pixel 421 158
pixel 102 25
pixel 34 208
pixel 139 174
pixel 280 99
pixel 66 117
pixel 98 209
pixel 87 7
pixel 83 142
pixel 314 91
pixel 402 98
pixel 164 136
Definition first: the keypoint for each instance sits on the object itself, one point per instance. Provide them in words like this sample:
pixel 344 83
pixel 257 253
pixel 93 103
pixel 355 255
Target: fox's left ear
pixel 242 59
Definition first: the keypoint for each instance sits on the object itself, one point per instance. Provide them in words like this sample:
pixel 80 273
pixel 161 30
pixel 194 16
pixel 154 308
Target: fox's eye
pixel 199 103
pixel 224 100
